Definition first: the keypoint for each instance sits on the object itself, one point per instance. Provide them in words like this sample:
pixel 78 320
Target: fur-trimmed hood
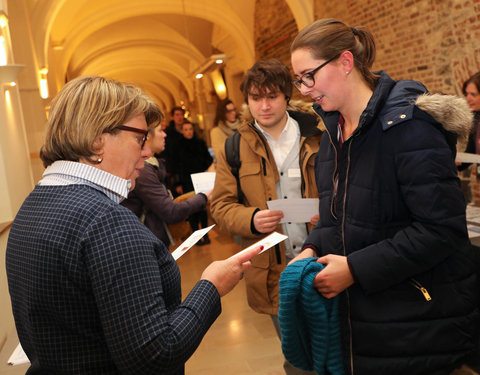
pixel 452 112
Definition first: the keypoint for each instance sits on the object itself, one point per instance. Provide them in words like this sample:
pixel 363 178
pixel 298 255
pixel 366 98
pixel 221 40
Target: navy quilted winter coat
pixel 399 217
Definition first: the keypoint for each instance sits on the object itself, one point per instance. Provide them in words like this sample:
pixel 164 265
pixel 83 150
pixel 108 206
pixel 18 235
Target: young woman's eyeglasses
pixel 308 79
pixel 142 140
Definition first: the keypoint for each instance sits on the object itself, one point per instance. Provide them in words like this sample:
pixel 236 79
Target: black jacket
pixel 151 200
pixel 399 217
pixel 191 156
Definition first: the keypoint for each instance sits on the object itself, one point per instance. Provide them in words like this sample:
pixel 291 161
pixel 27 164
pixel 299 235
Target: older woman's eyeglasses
pixel 308 79
pixel 142 140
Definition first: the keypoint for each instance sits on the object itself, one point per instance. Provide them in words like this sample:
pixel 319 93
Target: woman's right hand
pixel 225 274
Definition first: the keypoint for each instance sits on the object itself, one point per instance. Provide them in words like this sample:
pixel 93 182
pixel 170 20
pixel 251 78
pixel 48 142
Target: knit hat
pixel 311 337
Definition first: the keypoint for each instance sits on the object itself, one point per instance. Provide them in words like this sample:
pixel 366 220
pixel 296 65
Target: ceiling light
pixel 210 64
pixel 3 20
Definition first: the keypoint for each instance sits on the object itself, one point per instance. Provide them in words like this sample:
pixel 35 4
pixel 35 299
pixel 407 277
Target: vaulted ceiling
pixel 157 44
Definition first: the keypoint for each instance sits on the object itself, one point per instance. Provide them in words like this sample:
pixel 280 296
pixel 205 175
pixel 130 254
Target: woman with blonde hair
pixel 392 232
pixel 93 290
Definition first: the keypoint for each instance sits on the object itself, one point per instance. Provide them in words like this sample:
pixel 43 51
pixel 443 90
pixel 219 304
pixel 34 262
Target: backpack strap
pixel 232 154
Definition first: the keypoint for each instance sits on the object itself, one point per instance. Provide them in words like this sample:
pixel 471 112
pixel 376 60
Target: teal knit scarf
pixel 308 321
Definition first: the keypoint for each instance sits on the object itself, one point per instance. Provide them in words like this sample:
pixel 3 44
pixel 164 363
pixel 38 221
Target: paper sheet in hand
pixel 203 182
pixel 296 210
pixel 190 241
pixel 267 242
pixel 18 357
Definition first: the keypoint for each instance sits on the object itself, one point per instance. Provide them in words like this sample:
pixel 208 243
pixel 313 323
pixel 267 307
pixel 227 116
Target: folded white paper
pixel 203 182
pixel 296 210
pixel 190 241
pixel 267 242
pixel 18 357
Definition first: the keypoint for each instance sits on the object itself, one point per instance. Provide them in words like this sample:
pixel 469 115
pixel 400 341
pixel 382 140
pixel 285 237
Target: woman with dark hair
pixel 226 124
pixel 471 91
pixel 392 231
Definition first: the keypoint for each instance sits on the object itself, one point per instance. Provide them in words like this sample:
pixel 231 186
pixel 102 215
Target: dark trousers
pixel 198 217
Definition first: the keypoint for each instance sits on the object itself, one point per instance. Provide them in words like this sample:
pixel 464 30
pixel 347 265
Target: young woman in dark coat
pixel 392 230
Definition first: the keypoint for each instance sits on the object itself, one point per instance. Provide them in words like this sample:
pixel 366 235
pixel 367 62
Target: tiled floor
pixel 240 341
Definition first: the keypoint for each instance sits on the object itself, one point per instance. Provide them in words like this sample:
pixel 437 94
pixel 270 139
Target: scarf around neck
pixel 229 128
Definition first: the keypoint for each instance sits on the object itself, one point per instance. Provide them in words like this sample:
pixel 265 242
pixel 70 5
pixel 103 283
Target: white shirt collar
pixel 288 138
pixel 286 128
pixel 64 172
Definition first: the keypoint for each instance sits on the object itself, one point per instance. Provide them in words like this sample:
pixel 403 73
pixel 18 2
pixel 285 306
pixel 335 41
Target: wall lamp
pixel 43 83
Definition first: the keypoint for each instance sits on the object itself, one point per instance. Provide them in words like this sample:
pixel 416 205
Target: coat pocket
pixel 249 169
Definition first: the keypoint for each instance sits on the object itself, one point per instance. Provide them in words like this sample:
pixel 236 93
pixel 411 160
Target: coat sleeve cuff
pixel 314 248
pixel 252 225
pixel 352 271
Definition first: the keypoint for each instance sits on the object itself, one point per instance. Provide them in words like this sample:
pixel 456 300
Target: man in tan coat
pixel 277 152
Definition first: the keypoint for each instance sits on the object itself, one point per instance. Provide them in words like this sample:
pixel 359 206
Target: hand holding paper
pixel 203 182
pixel 296 210
pixel 225 274
pixel 266 221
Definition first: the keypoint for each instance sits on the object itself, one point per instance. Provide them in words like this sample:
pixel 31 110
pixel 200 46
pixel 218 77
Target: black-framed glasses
pixel 308 79
pixel 135 130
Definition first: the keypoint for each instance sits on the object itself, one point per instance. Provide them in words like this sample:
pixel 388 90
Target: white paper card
pixel 267 242
pixel 296 210
pixel 464 157
pixel 203 182
pixel 190 241
pixel 18 357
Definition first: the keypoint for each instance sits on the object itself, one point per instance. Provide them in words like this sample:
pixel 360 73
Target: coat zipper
pixel 334 195
pixel 345 252
pixel 302 177
pixel 421 288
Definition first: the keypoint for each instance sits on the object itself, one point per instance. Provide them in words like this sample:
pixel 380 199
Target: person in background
pixel 471 91
pixel 392 231
pixel 192 156
pixel 174 135
pixel 226 124
pixel 93 291
pixel 164 124
pixel 277 149
pixel 151 200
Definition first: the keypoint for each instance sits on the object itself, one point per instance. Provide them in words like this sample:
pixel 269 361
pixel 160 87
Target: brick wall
pixel 436 42
pixel 274 29
pixel 433 41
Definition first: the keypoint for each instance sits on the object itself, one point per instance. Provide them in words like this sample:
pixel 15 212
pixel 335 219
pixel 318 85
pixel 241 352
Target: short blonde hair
pixel 87 107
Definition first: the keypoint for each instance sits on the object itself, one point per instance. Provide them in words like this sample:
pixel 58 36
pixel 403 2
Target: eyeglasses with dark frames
pixel 135 130
pixel 308 79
